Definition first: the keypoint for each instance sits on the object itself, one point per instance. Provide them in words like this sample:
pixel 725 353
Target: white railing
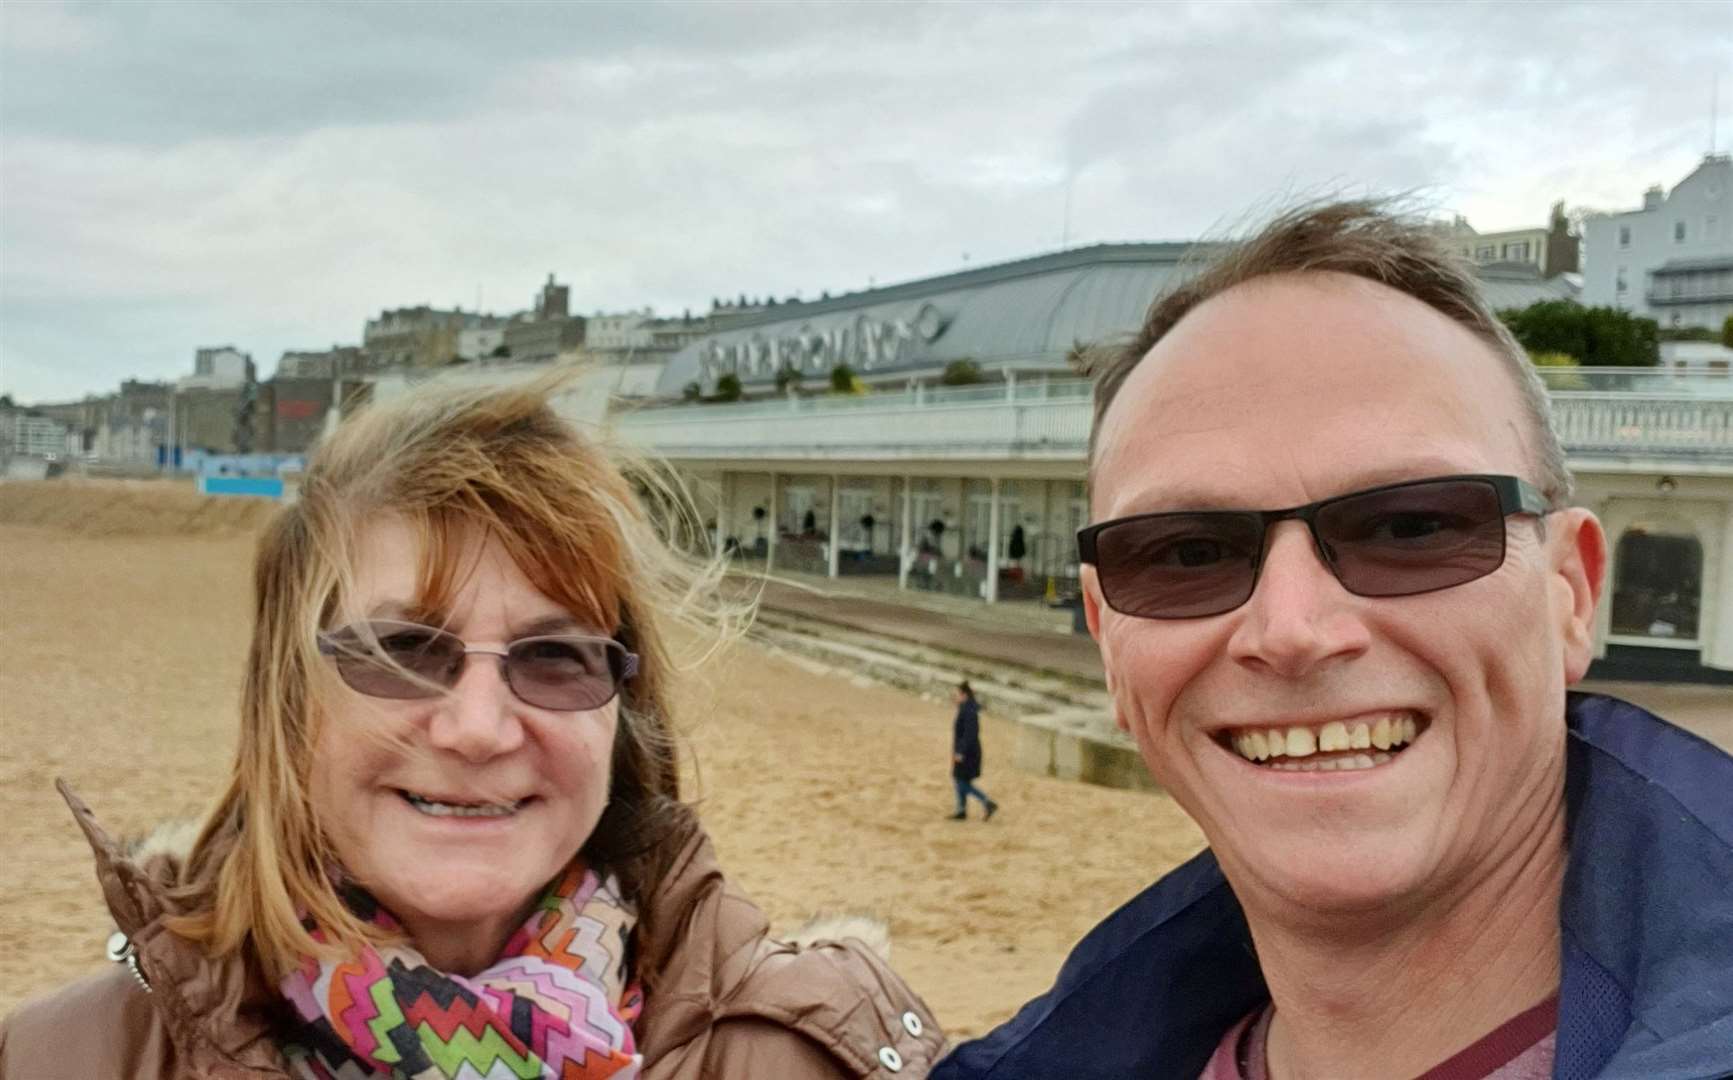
pixel 853 428
pixel 1051 422
pixel 1644 424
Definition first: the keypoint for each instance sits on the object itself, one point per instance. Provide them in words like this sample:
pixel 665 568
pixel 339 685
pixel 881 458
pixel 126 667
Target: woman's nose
pixel 477 719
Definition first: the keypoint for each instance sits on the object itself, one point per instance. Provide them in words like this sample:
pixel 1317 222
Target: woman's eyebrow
pixel 561 623
pixel 402 611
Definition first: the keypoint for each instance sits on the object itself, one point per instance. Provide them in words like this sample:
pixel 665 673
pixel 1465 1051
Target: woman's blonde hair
pixel 599 538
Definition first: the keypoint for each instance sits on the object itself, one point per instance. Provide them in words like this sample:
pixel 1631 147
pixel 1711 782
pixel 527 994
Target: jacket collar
pixel 1646 919
pixel 218 1010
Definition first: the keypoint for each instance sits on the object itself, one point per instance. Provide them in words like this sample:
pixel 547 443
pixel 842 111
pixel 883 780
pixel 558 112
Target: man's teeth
pixel 441 809
pixel 1388 732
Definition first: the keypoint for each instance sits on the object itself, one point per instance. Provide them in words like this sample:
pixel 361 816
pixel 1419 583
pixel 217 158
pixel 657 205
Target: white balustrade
pixel 1052 422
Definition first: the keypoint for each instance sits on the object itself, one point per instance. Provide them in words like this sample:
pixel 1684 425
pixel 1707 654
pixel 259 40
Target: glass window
pixel 1657 585
pixel 1624 236
pixel 1678 232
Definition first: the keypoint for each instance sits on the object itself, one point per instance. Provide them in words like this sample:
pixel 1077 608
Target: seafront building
pixel 956 462
pixel 978 489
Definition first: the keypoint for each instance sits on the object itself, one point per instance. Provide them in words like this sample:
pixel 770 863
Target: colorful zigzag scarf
pixel 556 1005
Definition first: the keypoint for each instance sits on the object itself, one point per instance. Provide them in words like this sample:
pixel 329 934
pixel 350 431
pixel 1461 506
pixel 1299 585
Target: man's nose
pixel 478 718
pixel 1299 616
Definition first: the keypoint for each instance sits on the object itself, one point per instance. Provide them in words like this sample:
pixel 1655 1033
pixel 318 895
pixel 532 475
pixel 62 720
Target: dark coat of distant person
pixel 966 741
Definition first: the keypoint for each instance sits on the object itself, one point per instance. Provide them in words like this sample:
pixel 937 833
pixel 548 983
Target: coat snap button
pixel 119 947
pixel 912 1024
pixel 890 1059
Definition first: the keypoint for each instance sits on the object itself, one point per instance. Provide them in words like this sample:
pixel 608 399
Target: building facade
pixel 1671 260
pixel 338 360
pixel 219 367
pixel 479 342
pixel 979 489
pixel 1027 319
pixel 622 331
pixel 1551 249
pixel 27 433
pixel 418 337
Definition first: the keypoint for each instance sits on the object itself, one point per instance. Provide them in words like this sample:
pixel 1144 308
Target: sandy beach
pixel 123 624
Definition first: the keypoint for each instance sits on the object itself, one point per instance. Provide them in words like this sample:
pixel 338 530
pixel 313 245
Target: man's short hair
pixel 1367 238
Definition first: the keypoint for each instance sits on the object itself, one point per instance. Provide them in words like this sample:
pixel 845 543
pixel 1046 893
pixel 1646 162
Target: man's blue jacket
pixel 1646 990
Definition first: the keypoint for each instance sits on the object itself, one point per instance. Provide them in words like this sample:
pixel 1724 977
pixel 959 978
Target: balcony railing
pixel 1627 413
pixel 1708 294
pixel 1644 425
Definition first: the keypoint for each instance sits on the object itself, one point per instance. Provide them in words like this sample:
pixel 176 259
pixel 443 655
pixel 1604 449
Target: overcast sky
pixel 270 175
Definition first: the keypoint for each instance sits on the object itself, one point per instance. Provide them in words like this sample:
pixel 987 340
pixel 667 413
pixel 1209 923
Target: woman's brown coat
pixel 728 1002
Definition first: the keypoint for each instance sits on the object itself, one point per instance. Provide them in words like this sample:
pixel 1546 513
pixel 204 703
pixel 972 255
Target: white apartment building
pixel 218 368
pixel 479 342
pixel 24 435
pixel 1671 260
pixel 626 330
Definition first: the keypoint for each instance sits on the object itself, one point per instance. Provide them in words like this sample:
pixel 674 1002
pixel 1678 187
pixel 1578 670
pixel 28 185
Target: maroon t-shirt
pixel 1521 1048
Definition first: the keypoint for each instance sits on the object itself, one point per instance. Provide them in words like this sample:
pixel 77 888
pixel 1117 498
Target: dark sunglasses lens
pixel 1415 539
pixel 1179 566
pixel 407 661
pixel 562 674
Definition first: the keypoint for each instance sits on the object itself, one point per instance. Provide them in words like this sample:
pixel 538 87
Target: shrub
pixel 963 372
pixel 1596 336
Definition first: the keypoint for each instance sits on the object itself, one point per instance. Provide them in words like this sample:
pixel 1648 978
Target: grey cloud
pixel 273 174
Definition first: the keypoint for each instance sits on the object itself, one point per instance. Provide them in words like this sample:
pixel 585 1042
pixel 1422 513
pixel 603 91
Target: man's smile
pixel 1360 742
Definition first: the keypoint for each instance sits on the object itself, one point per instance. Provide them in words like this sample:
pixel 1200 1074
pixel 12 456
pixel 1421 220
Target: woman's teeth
pixel 1389 731
pixel 443 809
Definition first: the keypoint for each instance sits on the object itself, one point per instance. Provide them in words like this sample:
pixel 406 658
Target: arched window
pixel 1657 585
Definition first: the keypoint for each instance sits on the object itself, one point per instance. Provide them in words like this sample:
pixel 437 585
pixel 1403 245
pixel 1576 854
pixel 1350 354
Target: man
pixel 1425 858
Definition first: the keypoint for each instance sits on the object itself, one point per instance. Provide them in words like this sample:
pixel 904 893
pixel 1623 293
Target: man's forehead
pixel 1250 378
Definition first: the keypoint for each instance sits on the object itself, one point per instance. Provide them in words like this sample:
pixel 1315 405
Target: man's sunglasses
pixel 1394 540
pixel 562 672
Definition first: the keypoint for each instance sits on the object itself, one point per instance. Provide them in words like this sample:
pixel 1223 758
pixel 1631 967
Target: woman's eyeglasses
pixel 562 672
pixel 1394 540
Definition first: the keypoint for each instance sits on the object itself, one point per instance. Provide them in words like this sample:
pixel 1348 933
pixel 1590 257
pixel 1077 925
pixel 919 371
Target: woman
pixel 452 843
pixel 966 754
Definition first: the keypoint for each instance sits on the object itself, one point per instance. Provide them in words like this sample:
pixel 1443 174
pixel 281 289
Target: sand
pixel 123 625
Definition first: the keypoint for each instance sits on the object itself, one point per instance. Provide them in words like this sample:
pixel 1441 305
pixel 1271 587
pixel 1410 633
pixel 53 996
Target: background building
pixel 979 489
pixel 1026 319
pixel 27 433
pixel 479 342
pixel 626 330
pixel 1671 260
pixel 418 337
pixel 1552 249
pixel 326 363
pixel 219 367
pixel 549 330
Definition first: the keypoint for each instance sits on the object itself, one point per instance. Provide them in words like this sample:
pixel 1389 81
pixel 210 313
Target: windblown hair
pixel 589 534
pixel 1366 238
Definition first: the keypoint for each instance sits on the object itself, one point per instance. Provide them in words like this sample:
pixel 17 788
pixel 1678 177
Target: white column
pixel 775 527
pixel 993 543
pixel 1717 604
pixel 1010 385
pixel 724 511
pixel 905 549
pixel 835 549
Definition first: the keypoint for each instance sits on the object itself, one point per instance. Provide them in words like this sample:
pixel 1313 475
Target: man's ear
pixel 1091 599
pixel 1579 562
pixel 1093 606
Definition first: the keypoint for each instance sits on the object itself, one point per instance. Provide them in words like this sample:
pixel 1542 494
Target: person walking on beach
pixel 966 753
